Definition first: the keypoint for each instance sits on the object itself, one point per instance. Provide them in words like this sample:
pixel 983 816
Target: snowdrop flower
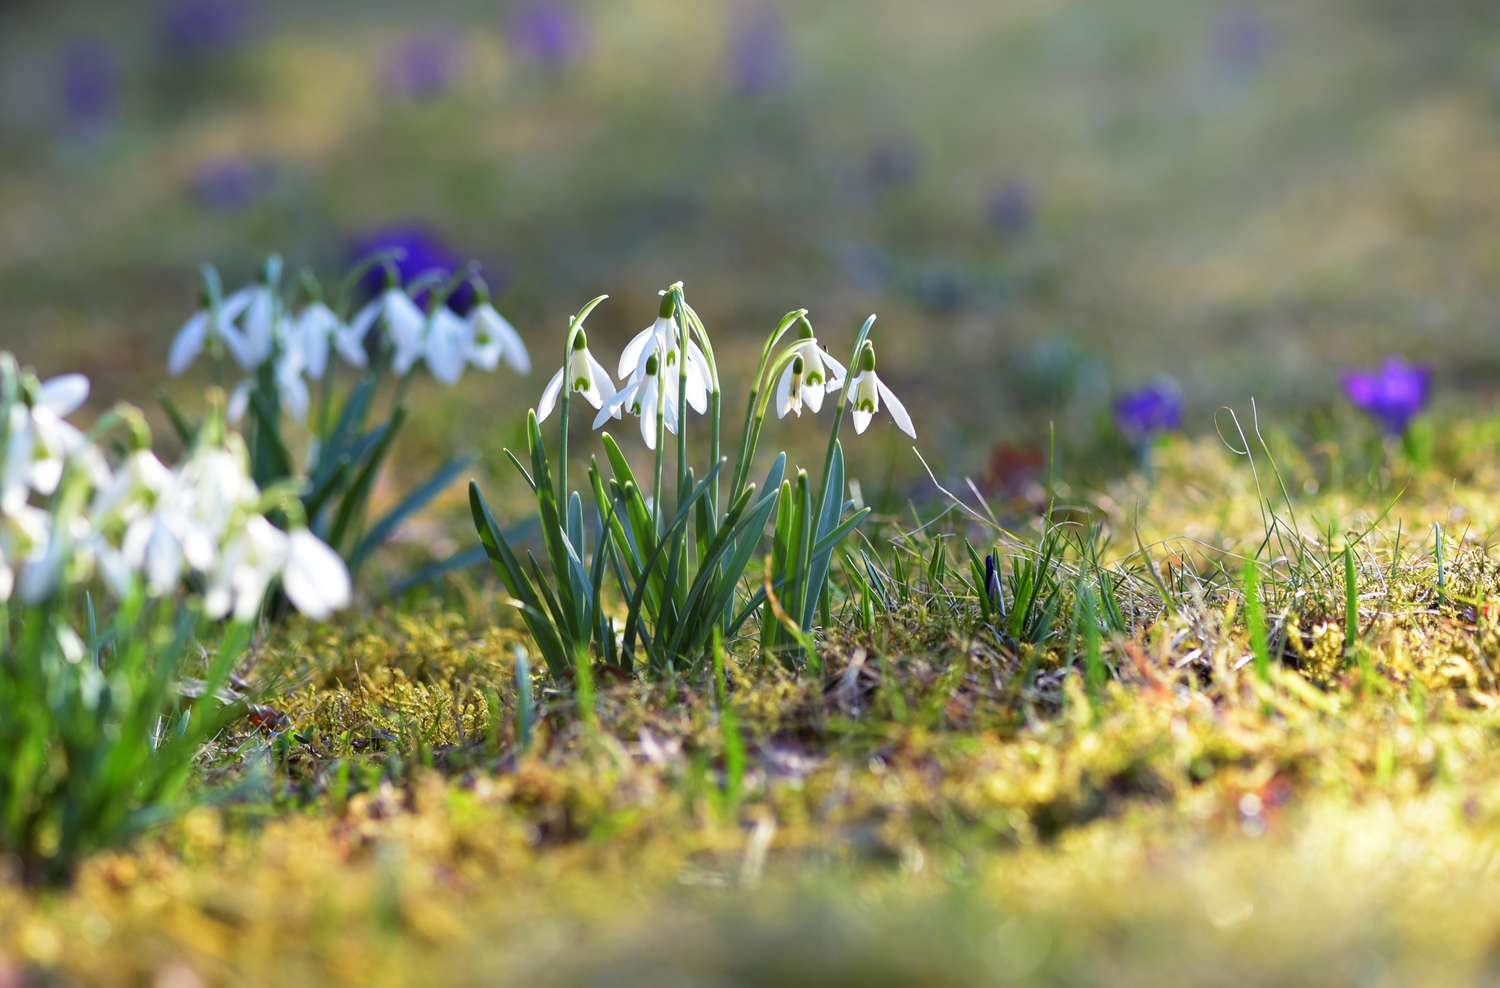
pixel 38 440
pixel 492 339
pixel 867 390
pixel 404 323
pixel 313 332
pixel 260 327
pixel 585 375
pixel 810 375
pixel 22 533
pixel 640 397
pixel 661 338
pixel 290 388
pixel 446 347
pixel 205 325
pixel 315 578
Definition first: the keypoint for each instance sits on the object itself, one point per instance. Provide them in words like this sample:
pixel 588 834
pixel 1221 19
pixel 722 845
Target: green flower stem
pixel 742 463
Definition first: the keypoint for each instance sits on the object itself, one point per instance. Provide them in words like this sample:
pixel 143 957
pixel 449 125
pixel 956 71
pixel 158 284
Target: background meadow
pixel 1089 230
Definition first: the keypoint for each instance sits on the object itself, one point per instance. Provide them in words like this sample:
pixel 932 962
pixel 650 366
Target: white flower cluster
pixel 255 326
pixel 653 376
pixel 67 514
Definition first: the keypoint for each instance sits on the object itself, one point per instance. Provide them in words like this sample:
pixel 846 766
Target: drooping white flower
pixel 640 397
pixel 314 576
pixel 816 374
pixel 404 324
pixel 201 327
pixel 39 440
pixel 662 338
pixel 261 323
pixel 584 375
pixel 867 391
pixel 23 532
pixel 492 338
pixel 446 348
pixel 251 558
pixel 291 389
pixel 313 332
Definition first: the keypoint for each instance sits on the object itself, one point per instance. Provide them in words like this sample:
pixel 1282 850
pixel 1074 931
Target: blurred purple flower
pixel 760 58
pixel 1243 40
pixel 1393 394
pixel 232 183
pixel 422 251
pixel 548 32
pixel 1149 411
pixel 198 28
pixel 893 164
pixel 1012 208
pixel 90 84
pixel 424 66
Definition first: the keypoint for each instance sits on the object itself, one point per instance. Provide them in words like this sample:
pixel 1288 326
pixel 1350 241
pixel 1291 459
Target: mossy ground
pixel 934 805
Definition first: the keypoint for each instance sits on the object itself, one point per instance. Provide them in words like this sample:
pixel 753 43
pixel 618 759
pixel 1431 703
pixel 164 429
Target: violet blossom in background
pixel 194 29
pixel 90 85
pixel 549 33
pixel 231 183
pixel 1012 208
pixel 1393 394
pixel 760 56
pixel 425 66
pixel 1147 412
pixel 421 251
pixel 1243 40
pixel 893 164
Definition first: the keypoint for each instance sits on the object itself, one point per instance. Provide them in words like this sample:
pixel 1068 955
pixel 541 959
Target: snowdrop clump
pixel 69 515
pixel 678 551
pixel 267 337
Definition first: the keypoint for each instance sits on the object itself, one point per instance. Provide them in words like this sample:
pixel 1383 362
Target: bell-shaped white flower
pixel 23 532
pixel 205 325
pixel 583 374
pixel 251 558
pixel 291 389
pixel 313 332
pixel 446 347
pixel 404 324
pixel 492 338
pixel 816 375
pixel 661 338
pixel 314 576
pixel 261 323
pixel 39 440
pixel 641 396
pixel 867 391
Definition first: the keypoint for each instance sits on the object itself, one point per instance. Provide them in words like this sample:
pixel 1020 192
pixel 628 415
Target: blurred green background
pixel 1045 201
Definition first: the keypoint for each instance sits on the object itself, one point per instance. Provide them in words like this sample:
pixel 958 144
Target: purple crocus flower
pixel 548 32
pixel 893 164
pixel 201 28
pixel 425 66
pixel 1393 394
pixel 227 184
pixel 90 84
pixel 1243 40
pixel 1149 411
pixel 760 59
pixel 1012 208
pixel 422 251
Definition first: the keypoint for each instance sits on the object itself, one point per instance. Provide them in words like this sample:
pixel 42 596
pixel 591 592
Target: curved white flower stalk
pixel 492 339
pixel 585 376
pixel 810 373
pixel 867 391
pixel 643 397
